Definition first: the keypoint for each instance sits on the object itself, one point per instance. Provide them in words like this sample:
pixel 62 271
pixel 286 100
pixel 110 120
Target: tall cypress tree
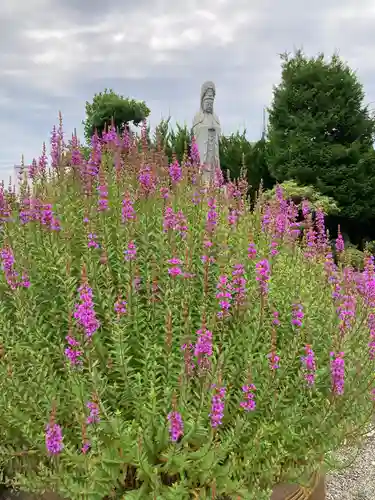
pixel 321 133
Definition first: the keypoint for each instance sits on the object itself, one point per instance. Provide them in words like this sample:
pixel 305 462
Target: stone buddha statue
pixel 206 130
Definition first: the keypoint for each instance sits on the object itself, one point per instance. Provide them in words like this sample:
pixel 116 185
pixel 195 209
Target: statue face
pixel 208 101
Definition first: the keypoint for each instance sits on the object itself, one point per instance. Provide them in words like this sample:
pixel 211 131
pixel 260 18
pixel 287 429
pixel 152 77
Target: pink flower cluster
pixel 249 403
pixel 34 210
pixel 93 164
pixel 203 348
pixel 207 259
pixel 308 363
pixel 103 198
pixel 337 372
pixel 93 417
pixel 340 244
pixel 297 315
pixel 224 294
pixel 147 180
pixel 176 426
pixel 130 253
pixel 77 158
pixel 273 359
pixel 55 148
pixel 212 215
pixel 233 216
pixel 175 221
pixel 346 310
pixel 121 307
pixel 239 284
pixel 84 312
pixel 54 439
pixel 175 172
pixel 111 137
pixel 251 251
pixel 217 406
pixel 73 352
pixel 263 271
pixel 92 240
pixel 175 269
pixel 128 212
pixel 194 153
pixel 11 275
pixel 276 320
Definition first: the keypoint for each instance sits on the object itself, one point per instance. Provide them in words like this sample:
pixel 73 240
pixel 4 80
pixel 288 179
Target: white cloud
pixel 188 39
pixel 42 35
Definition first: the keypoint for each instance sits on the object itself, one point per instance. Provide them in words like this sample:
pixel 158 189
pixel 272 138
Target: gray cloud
pixel 55 54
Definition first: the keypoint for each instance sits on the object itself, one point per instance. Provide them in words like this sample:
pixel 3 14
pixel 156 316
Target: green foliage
pixel 237 154
pixel 235 150
pixel 134 366
pixel 173 141
pixel 85 152
pixel 299 193
pixel 321 134
pixel 257 168
pixel 109 107
pixel 371 247
pixel 354 257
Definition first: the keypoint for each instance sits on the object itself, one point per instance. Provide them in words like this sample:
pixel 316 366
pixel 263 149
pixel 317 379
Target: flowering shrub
pixel 316 200
pixel 154 346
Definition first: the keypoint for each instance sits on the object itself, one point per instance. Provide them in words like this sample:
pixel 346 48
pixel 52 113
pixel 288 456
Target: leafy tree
pixel 321 134
pixel 107 107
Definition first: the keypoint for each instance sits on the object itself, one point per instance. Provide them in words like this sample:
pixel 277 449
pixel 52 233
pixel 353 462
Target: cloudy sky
pixel 55 54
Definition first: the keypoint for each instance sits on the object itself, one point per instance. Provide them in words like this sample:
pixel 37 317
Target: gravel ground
pixel 357 480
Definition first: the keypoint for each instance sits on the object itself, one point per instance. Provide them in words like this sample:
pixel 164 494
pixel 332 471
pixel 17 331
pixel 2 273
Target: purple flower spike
pixel 93 418
pixel 54 439
pixel 203 348
pixel 337 372
pixel 176 425
pixel 262 270
pixel 297 315
pixel 84 312
pixel 127 211
pixel 175 172
pixel 131 252
pixel 249 403
pixel 217 406
pixel 308 363
pixel 251 251
pixel 340 244
pixel 121 307
pixel 73 351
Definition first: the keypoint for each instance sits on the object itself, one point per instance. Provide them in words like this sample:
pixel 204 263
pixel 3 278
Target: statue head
pixel 208 93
